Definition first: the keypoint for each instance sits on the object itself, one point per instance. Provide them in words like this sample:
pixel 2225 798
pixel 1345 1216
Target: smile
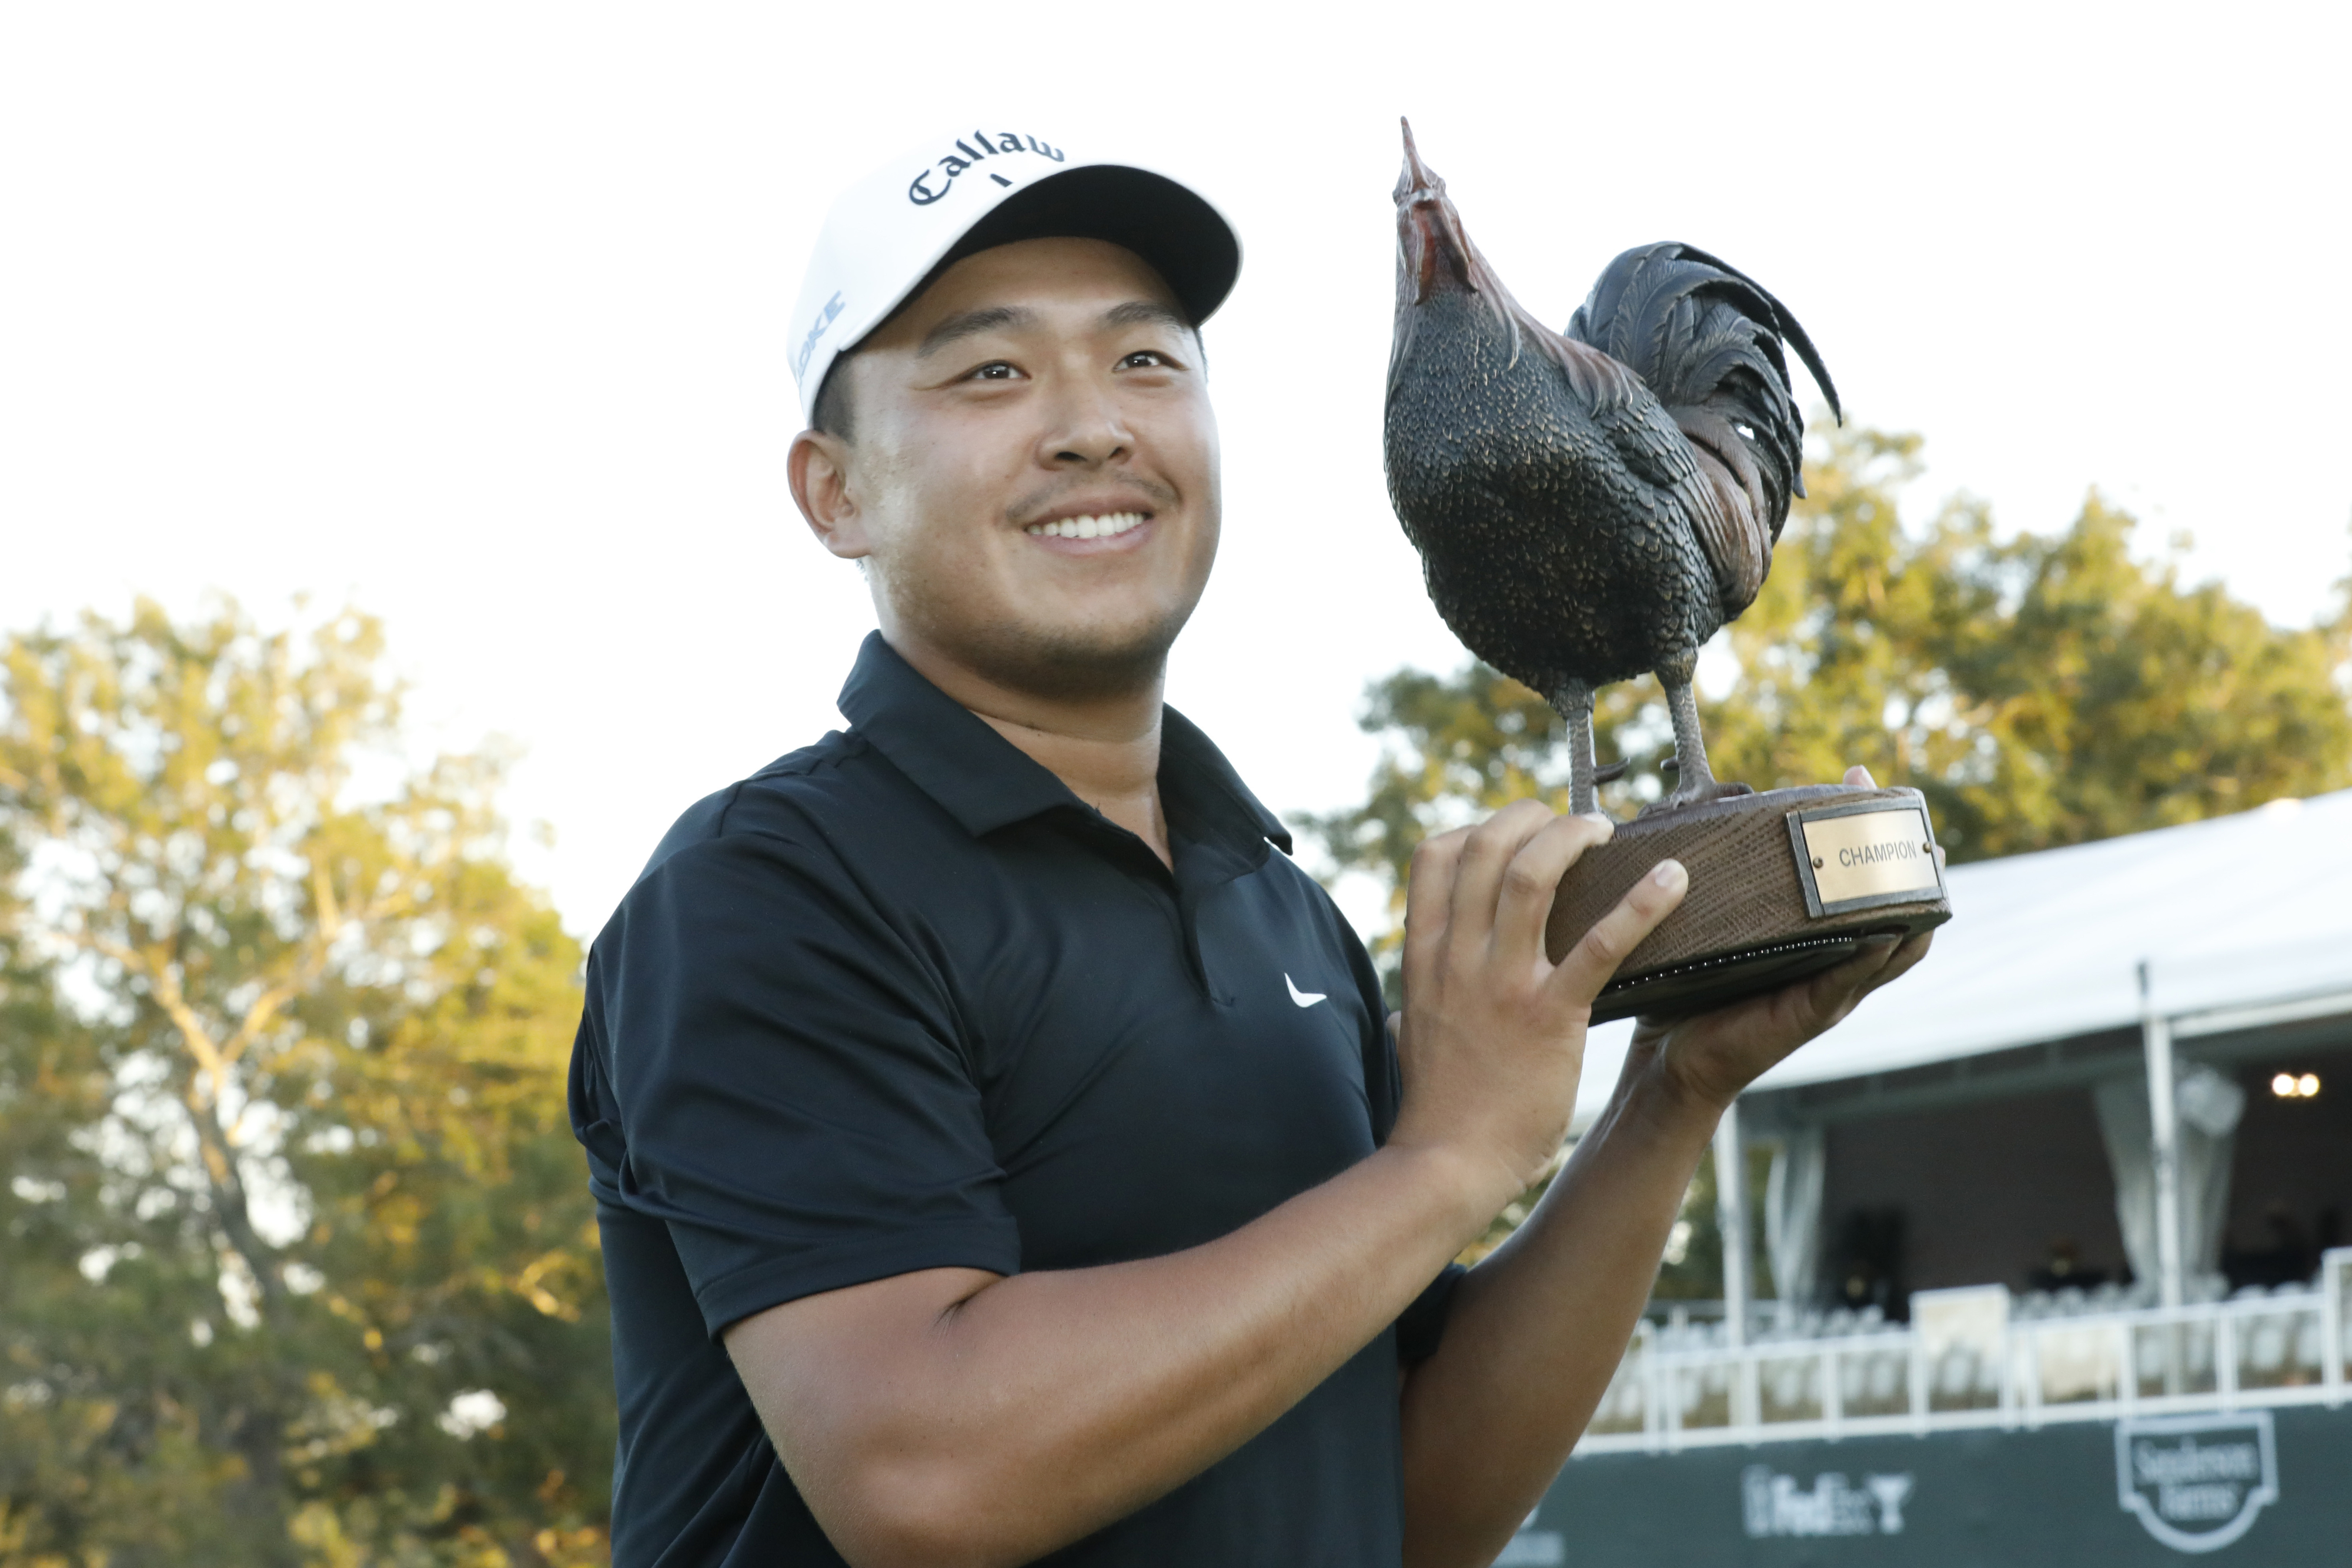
pixel 1110 524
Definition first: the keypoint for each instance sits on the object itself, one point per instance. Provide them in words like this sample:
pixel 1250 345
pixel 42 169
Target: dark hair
pixel 832 414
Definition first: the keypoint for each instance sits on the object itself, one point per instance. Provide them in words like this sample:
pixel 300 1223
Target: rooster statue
pixel 1594 505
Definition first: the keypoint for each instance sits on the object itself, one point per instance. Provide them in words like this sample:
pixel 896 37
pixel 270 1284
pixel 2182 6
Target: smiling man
pixel 999 1145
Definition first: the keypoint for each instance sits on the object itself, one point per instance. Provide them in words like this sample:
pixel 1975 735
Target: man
pixel 1000 1147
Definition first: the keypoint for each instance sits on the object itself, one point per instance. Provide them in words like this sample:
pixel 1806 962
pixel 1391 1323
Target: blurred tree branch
pixel 315 1145
pixel 2039 690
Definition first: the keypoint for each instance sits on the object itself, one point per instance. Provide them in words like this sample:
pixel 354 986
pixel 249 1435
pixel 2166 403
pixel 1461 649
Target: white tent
pixel 2241 912
pixel 2244 915
pixel 2206 928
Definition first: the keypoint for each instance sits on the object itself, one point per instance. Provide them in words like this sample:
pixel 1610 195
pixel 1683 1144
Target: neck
pixel 1105 747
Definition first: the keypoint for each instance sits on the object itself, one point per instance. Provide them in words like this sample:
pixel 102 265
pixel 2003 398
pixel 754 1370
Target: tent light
pixel 2291 1086
pixel 2308 1085
pixel 2284 1086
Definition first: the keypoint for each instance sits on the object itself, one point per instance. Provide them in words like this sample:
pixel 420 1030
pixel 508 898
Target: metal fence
pixel 1980 1365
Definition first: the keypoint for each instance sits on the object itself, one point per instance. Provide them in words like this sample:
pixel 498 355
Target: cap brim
pixel 1186 240
pixel 1171 226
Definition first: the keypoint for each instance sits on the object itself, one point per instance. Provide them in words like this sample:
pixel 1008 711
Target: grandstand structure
pixel 1979 1359
pixel 2051 1262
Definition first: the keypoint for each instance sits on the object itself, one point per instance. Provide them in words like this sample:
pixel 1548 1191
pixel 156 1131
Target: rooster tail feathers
pixel 1629 309
pixel 1783 323
pixel 1703 334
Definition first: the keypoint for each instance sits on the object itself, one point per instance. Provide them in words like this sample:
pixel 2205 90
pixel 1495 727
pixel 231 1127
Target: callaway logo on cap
pixel 967 189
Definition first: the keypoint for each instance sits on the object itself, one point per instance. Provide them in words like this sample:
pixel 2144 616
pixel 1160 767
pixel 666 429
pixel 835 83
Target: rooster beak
pixel 1427 229
pixel 1416 181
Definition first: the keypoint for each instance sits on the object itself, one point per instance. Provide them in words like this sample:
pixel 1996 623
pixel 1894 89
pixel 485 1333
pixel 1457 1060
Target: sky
pixel 474 316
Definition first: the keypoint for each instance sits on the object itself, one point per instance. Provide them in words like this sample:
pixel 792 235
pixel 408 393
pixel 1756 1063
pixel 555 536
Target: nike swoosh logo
pixel 1303 998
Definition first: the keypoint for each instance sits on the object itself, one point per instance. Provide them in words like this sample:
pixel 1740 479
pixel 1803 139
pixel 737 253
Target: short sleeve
pixel 769 1070
pixel 1423 1322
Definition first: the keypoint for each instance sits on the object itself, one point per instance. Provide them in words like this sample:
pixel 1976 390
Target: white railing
pixel 1969 1367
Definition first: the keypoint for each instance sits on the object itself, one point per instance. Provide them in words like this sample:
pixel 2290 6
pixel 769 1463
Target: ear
pixel 819 468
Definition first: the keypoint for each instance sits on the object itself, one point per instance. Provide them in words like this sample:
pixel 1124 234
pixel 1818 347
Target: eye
pixel 1144 359
pixel 994 370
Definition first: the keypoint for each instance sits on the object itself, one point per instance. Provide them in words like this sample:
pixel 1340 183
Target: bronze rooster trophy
pixel 1592 506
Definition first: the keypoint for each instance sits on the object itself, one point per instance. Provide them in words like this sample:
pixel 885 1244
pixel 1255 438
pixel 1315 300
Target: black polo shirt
pixel 901 1002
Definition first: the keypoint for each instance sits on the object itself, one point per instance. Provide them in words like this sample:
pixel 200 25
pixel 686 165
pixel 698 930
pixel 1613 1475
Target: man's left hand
pixel 1707 1058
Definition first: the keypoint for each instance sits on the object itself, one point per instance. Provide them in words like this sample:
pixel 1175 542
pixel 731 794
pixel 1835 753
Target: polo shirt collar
pixel 986 782
pixel 1195 773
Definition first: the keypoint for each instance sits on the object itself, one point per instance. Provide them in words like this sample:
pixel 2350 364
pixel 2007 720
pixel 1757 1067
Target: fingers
pixel 1429 895
pixel 1908 953
pixel 1486 856
pixel 1715 1054
pixel 1832 994
pixel 1429 885
pixel 1859 777
pixel 1887 958
pixel 1591 962
pixel 1883 959
pixel 1532 879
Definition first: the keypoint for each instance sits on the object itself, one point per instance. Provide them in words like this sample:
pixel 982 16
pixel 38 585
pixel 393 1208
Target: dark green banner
pixel 2251 1488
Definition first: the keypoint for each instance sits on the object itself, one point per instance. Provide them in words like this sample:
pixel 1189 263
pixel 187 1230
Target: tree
pixel 301 1264
pixel 2047 691
pixel 2040 691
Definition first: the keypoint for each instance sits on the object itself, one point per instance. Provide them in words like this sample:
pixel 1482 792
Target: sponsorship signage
pixel 2259 1489
pixel 826 315
pixel 1775 1504
pixel 974 151
pixel 2197 1481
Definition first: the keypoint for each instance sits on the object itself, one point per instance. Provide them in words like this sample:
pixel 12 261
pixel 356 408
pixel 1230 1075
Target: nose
pixel 1089 430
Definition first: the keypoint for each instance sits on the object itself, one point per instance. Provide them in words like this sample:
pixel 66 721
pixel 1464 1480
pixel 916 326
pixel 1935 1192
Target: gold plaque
pixel 1859 856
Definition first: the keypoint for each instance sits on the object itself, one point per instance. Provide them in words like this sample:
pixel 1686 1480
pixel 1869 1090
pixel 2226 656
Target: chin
pixel 1071 663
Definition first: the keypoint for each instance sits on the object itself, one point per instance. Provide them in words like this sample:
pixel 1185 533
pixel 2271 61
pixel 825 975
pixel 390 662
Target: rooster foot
pixel 1695 795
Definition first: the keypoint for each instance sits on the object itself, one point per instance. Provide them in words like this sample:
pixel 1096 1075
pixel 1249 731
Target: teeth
pixel 1108 526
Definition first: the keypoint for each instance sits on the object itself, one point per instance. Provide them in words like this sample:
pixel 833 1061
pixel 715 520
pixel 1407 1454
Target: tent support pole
pixel 1731 1222
pixel 2164 1144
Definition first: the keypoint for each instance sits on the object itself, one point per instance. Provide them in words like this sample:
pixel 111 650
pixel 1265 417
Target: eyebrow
pixel 970 324
pixel 1146 313
pixel 993 317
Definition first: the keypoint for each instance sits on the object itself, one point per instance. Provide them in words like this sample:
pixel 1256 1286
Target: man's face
pixel 1035 394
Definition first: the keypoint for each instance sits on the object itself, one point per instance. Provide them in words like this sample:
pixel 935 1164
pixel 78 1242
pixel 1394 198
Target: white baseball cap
pixel 892 232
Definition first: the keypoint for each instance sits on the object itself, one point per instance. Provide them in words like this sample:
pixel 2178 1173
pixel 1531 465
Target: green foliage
pixel 2045 691
pixel 281 1095
pixel 2041 691
pixel 1462 747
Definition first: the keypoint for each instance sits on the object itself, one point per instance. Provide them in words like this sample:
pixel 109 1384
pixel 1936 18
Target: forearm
pixel 1537 1330
pixel 1039 1408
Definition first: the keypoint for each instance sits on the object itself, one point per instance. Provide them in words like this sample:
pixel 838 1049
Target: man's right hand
pixel 1491 1041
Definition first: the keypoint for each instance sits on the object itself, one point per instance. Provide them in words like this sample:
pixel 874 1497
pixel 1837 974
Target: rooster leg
pixel 1573 702
pixel 1695 781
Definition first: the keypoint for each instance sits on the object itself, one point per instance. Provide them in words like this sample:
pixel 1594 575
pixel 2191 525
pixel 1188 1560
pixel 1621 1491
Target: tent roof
pixel 2235 913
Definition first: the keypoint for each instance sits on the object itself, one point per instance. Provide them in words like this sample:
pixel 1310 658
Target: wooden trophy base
pixel 1782 885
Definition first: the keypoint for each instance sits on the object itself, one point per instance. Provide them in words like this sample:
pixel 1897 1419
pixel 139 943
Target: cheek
pixel 936 500
pixel 1196 451
pixel 1177 438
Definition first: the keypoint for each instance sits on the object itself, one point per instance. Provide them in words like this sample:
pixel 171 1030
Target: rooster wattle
pixel 1590 506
